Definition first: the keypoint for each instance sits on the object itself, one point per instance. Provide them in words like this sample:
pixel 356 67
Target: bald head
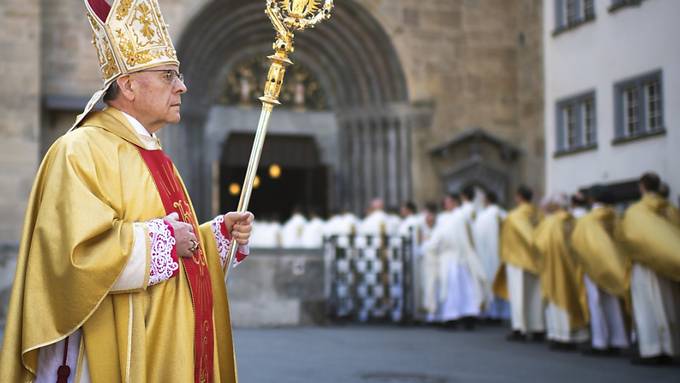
pixel 376 204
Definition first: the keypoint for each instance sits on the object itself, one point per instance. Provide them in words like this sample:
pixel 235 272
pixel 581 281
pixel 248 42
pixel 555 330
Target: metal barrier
pixel 369 277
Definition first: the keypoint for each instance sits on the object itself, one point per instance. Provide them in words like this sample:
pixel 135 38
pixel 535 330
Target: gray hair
pixel 112 93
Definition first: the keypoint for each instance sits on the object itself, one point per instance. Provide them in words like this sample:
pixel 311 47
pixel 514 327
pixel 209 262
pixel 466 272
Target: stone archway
pixel 357 66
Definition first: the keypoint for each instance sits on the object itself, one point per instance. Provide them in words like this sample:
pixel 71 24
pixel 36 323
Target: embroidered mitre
pixel 129 36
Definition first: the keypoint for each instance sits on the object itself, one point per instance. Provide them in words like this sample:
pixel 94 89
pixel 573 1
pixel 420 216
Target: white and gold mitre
pixel 129 36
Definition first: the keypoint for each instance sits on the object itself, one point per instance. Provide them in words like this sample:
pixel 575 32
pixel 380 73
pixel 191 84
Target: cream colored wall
pixel 615 46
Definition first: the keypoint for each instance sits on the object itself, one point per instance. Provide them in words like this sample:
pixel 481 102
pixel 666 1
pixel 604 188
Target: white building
pixel 612 93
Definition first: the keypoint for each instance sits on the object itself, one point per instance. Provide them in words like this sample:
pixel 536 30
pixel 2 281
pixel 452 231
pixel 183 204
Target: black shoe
pixel 492 322
pixel 665 360
pixel 516 336
pixel 538 337
pixel 590 351
pixel 469 323
pixel 615 351
pixel 648 361
pixel 564 346
pixel 451 325
pixel 561 346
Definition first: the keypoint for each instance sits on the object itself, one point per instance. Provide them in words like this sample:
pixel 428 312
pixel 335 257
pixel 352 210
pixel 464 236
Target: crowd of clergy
pixel 578 271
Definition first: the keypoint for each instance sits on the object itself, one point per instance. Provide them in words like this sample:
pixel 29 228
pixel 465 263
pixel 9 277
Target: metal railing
pixel 370 277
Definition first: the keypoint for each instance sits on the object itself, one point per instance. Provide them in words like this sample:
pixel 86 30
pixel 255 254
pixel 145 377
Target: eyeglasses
pixel 169 75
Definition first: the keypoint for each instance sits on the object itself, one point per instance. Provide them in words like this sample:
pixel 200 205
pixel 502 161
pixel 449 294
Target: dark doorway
pixel 300 182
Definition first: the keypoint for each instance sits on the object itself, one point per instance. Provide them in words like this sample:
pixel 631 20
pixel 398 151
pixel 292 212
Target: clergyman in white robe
pixel 375 223
pixel 266 234
pixel 461 278
pixel 486 230
pixel 607 325
pixel 312 233
pixel 341 224
pixel 410 224
pixel 656 309
pixel 292 230
pixel 655 294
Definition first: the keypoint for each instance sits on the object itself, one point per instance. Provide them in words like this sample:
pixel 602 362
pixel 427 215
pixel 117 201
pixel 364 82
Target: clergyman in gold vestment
pixel 606 270
pixel 651 233
pixel 518 280
pixel 561 280
pixel 105 286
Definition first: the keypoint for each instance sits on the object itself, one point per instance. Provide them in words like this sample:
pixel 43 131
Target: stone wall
pixel 20 110
pixel 278 288
pixel 481 63
pixel 69 59
pixel 19 127
pixel 529 135
pixel 8 264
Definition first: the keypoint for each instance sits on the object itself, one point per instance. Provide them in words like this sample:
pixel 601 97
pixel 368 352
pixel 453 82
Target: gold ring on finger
pixel 194 245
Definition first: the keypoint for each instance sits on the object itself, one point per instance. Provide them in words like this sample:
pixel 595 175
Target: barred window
pixel 588 9
pixel 570 13
pixel 576 123
pixel 570 122
pixel 639 106
pixel 653 105
pixel 589 121
pixel 631 111
pixel 618 4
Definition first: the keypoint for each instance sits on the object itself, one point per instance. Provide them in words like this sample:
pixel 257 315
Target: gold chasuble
pixel 92 186
pixel 599 252
pixel 651 232
pixel 516 245
pixel 561 279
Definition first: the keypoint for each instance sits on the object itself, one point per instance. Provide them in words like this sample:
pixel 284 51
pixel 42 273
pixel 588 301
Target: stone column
pixel 356 175
pixel 393 161
pixel 380 151
pixel 341 180
pixel 368 164
pixel 405 155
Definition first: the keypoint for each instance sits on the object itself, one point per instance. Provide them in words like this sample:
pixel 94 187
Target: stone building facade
pixel 423 97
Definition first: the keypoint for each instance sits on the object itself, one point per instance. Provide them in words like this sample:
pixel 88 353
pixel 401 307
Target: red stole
pixel 176 201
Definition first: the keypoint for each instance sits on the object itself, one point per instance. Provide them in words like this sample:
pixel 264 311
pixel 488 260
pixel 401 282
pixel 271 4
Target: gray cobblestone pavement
pixel 365 354
pixel 369 354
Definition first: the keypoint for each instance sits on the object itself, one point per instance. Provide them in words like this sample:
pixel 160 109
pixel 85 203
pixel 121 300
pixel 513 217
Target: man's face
pixel 518 199
pixel 404 211
pixel 158 94
pixel 449 203
pixel 430 218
